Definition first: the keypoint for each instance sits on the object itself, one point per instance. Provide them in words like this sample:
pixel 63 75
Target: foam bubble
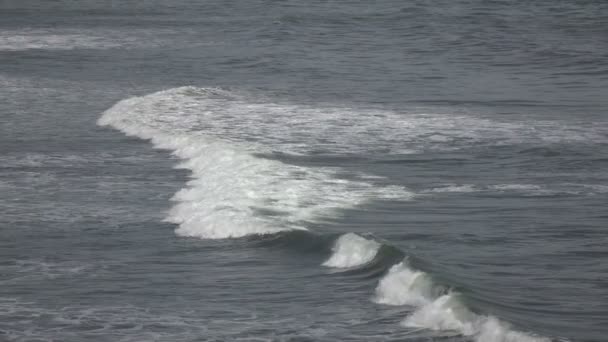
pixel 351 250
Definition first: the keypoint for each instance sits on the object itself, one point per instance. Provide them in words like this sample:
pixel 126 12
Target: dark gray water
pixel 347 170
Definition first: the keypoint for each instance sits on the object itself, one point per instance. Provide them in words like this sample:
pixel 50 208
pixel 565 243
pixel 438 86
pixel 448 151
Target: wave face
pixel 234 192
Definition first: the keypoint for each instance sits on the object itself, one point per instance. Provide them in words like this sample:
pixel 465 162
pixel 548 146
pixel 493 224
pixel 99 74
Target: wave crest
pixel 352 250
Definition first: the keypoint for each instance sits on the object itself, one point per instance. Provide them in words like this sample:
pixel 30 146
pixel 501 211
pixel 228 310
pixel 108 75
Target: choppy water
pixel 304 171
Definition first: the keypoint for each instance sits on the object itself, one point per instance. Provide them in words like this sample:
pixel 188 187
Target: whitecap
pixel 404 286
pixel 352 250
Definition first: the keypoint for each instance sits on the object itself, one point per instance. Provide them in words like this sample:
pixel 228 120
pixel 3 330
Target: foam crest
pixel 448 313
pixel 233 192
pixel 444 313
pixel 493 330
pixel 439 310
pixel 404 286
pixel 352 250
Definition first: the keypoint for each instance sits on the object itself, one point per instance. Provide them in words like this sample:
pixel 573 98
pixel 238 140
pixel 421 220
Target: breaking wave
pixel 235 191
pixel 436 307
pixel 352 250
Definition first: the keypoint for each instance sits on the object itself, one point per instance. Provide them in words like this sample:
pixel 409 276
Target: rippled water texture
pixel 303 171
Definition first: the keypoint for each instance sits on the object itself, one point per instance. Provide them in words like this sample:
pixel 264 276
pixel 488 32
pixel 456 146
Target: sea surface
pixel 257 170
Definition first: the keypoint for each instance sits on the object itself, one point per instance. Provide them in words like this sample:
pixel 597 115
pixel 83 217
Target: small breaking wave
pixel 352 250
pixel 435 307
pixel 438 308
pixel 405 286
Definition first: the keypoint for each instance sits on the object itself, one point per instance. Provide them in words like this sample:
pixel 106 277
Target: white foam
pixel 596 188
pixel 454 188
pixel 493 330
pixel 404 286
pixel 302 129
pixel 233 192
pixel 448 313
pixel 58 40
pixel 444 313
pixel 99 38
pixel 436 310
pixel 515 187
pixel 351 250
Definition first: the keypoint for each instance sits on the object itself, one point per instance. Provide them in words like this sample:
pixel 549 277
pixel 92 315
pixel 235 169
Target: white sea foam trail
pixel 352 250
pixel 270 126
pixel 435 308
pixel 233 192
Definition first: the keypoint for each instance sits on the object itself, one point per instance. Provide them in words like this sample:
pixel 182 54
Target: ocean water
pixel 304 170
